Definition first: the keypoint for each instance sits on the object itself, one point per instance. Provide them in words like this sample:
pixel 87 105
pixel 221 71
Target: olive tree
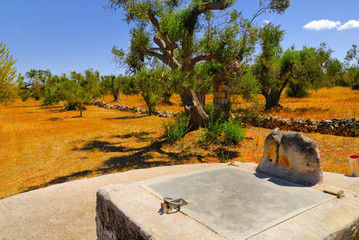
pixel 352 61
pixel 299 69
pixel 172 32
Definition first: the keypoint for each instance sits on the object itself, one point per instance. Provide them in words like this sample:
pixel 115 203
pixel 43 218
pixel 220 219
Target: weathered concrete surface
pixel 129 207
pixel 333 219
pixel 67 211
pixel 237 203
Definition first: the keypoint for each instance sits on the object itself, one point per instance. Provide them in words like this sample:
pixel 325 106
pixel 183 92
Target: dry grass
pixel 338 102
pixel 41 146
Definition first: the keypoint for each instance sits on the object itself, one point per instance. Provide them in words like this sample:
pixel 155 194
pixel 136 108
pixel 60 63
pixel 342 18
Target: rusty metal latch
pixel 170 204
pixel 339 194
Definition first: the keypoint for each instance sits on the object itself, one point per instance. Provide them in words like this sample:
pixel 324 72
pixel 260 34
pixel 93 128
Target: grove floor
pixel 41 146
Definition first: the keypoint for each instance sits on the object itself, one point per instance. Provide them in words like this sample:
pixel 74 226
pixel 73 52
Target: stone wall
pixel 347 127
pixel 132 109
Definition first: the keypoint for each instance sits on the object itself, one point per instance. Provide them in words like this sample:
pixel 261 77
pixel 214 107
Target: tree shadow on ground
pixel 54 119
pixel 54 108
pixel 103 146
pixel 226 154
pixel 126 117
pixel 137 158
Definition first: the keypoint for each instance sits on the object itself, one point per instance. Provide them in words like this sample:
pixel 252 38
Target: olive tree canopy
pixel 182 34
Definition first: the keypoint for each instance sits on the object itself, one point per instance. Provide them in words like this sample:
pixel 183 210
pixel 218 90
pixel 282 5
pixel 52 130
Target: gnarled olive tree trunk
pixel 191 105
pixel 272 99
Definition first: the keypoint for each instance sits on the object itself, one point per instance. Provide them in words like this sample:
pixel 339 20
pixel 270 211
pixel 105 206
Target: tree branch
pixel 213 6
pixel 155 54
pixel 169 45
pixel 204 57
pixel 154 20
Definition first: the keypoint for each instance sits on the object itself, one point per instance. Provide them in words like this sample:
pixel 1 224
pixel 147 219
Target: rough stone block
pixel 292 156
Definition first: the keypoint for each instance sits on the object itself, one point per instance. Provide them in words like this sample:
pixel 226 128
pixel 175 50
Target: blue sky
pixel 67 35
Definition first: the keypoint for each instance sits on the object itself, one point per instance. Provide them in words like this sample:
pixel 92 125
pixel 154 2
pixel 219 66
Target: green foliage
pixel 226 133
pixel 233 133
pixel 352 55
pixel 135 57
pixel 37 81
pixel 186 34
pixel 8 87
pixel 296 90
pixel 74 95
pixel 51 92
pixel 112 84
pixel 250 115
pixel 353 77
pixel 335 72
pixel 245 84
pixel 352 58
pixel 130 85
pixel 80 90
pixel 274 70
pixel 147 81
pixel 175 130
pixel 220 130
pixel 92 83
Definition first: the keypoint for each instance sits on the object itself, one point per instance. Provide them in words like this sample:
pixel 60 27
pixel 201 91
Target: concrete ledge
pixel 67 210
pixel 128 211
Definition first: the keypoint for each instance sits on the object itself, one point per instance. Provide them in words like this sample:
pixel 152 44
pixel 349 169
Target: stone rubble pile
pixel 138 110
pixel 348 127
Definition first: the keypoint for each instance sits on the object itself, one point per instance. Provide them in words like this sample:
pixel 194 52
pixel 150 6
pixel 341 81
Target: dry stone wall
pixel 348 127
pixel 133 109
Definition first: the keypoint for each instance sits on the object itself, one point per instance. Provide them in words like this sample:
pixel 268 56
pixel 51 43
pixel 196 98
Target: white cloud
pixel 349 24
pixel 266 21
pixel 321 24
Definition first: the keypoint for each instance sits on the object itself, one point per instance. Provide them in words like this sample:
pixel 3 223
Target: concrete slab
pixel 68 210
pixel 237 203
pixel 276 210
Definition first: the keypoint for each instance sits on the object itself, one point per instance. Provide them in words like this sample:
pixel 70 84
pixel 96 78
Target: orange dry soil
pixel 41 146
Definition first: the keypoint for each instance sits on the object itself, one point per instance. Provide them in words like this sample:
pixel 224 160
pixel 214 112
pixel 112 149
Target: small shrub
pixel 214 129
pixel 71 106
pixel 25 96
pixel 233 133
pixel 207 136
pixel 251 115
pixel 175 130
pixel 214 115
pixel 225 133
pixel 219 129
pixel 151 100
pixel 298 93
